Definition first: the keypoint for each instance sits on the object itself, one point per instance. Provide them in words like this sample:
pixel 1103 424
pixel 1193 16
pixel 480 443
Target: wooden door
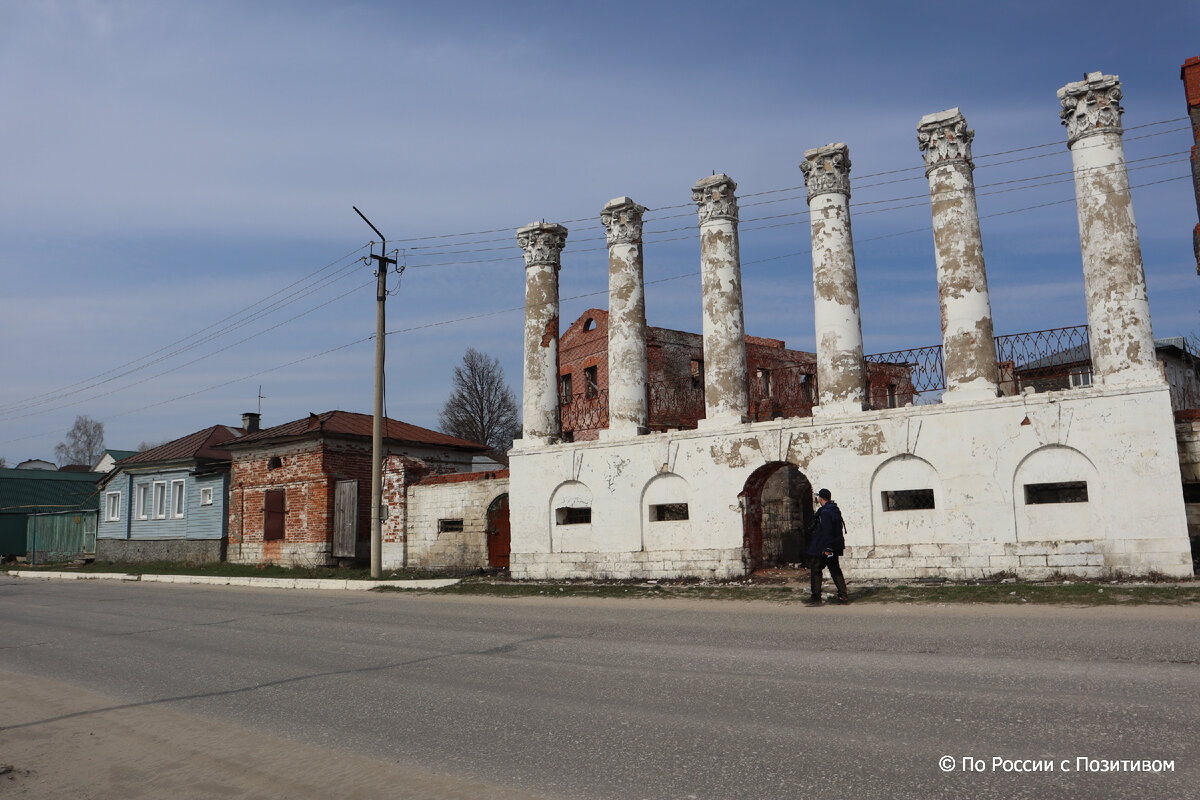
pixel 498 540
pixel 345 519
pixel 274 507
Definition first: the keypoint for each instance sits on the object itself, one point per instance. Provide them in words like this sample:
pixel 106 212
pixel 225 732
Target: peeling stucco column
pixel 841 375
pixel 543 243
pixel 968 343
pixel 1114 280
pixel 628 414
pixel 726 390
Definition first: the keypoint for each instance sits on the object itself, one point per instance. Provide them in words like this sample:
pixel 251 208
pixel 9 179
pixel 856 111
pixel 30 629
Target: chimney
pixel 250 421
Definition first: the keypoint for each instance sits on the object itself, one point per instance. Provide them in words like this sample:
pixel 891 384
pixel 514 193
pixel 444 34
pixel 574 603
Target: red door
pixel 498 542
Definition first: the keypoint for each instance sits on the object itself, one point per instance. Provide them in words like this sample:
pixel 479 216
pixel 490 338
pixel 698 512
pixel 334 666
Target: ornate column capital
pixel 944 138
pixel 827 169
pixel 543 243
pixel 622 220
pixel 1091 106
pixel 715 198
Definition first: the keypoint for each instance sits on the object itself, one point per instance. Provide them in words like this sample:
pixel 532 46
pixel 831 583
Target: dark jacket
pixel 827 531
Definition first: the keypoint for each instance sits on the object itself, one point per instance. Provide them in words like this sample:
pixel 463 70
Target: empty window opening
pixel 450 526
pixel 573 516
pixel 1062 492
pixel 206 496
pixel 669 512
pixel 564 388
pixel 1191 493
pixel 764 382
pixel 908 500
pixel 697 369
pixel 591 385
pixel 589 324
pixel 274 462
pixel 891 395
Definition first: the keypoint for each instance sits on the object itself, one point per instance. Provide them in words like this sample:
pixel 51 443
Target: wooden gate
pixel 345 519
pixel 498 540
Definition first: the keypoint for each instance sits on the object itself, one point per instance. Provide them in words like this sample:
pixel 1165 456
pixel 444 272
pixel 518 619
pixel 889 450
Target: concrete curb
pixel 213 580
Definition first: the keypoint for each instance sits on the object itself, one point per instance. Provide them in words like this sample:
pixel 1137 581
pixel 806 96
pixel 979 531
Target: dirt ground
pixel 59 741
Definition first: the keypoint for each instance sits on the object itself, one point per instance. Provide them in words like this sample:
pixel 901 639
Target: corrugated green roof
pixel 117 455
pixel 37 491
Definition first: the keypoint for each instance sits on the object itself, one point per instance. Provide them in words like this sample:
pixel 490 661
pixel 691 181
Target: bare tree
pixel 3 463
pixel 84 443
pixel 481 408
pixel 143 446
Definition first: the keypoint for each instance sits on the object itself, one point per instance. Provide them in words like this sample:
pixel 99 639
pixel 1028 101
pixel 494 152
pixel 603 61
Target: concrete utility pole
pixel 377 419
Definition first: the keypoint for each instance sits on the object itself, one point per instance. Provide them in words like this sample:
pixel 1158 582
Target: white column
pixel 841 375
pixel 968 342
pixel 726 391
pixel 1118 309
pixel 543 243
pixel 627 370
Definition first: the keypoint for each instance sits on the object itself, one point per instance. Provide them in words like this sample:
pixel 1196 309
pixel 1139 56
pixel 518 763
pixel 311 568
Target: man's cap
pixel 824 494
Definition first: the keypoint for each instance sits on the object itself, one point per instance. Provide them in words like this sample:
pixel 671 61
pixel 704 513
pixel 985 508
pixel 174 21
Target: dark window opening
pixel 697 369
pixel 669 512
pixel 591 385
pixel 450 526
pixel 806 388
pixel 908 500
pixel 1062 492
pixel 891 395
pixel 274 462
pixel 564 388
pixel 274 507
pixel 573 516
pixel 589 324
pixel 1191 493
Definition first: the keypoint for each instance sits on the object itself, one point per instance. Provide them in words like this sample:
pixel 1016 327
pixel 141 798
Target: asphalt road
pixel 577 698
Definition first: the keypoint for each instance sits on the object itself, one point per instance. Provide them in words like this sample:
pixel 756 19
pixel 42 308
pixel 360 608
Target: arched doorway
pixel 498 541
pixel 777 503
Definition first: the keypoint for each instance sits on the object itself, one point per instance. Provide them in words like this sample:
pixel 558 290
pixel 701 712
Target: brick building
pixel 300 491
pixel 1190 74
pixel 783 382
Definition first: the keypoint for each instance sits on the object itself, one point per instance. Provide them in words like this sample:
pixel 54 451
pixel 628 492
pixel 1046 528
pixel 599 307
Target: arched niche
pixel 1055 492
pixel 907 502
pixel 666 512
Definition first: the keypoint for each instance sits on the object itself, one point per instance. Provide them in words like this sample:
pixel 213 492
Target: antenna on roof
pixel 261 397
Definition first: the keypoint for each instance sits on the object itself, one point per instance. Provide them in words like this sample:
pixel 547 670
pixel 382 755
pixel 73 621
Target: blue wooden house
pixel 168 503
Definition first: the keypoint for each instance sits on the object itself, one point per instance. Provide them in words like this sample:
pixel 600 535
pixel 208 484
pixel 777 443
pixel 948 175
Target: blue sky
pixel 170 165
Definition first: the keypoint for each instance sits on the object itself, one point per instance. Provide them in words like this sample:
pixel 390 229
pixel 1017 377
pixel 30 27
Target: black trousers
pixel 816 568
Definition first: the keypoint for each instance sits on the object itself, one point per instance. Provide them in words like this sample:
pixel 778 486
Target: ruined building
pixel 994 476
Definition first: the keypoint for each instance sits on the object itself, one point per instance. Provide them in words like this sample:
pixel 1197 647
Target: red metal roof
pixel 205 444
pixel 348 423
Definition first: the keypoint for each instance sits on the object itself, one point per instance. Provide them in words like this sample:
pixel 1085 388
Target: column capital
pixel 827 170
pixel 543 243
pixel 944 138
pixel 1091 106
pixel 715 198
pixel 622 220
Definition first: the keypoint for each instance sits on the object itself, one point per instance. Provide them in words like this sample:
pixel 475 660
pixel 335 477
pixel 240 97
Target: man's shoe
pixel 813 601
pixel 842 601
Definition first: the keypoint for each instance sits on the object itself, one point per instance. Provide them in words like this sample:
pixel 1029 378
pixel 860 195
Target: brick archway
pixel 776 527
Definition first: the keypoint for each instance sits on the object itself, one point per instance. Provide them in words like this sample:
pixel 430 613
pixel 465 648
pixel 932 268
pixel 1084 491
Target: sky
pixel 176 221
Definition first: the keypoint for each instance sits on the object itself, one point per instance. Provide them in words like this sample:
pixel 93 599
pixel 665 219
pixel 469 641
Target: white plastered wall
pixel 975 451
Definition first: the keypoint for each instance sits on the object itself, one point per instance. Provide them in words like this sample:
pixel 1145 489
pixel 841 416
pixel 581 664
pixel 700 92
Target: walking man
pixel 827 544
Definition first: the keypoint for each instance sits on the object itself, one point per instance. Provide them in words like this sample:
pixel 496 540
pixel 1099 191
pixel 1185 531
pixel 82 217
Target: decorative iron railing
pixel 582 415
pixel 920 367
pixel 675 402
pixel 1058 358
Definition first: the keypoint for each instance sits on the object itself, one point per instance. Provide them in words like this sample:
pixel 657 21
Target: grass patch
pixel 226 570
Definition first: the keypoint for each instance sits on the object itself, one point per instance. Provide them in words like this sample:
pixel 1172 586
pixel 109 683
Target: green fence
pixel 63 536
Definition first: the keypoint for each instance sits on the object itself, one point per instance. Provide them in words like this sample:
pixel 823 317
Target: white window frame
pixel 178 499
pixel 206 495
pixel 160 499
pixel 142 501
pixel 112 507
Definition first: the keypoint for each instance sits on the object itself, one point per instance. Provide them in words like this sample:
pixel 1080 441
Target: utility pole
pixel 377 420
